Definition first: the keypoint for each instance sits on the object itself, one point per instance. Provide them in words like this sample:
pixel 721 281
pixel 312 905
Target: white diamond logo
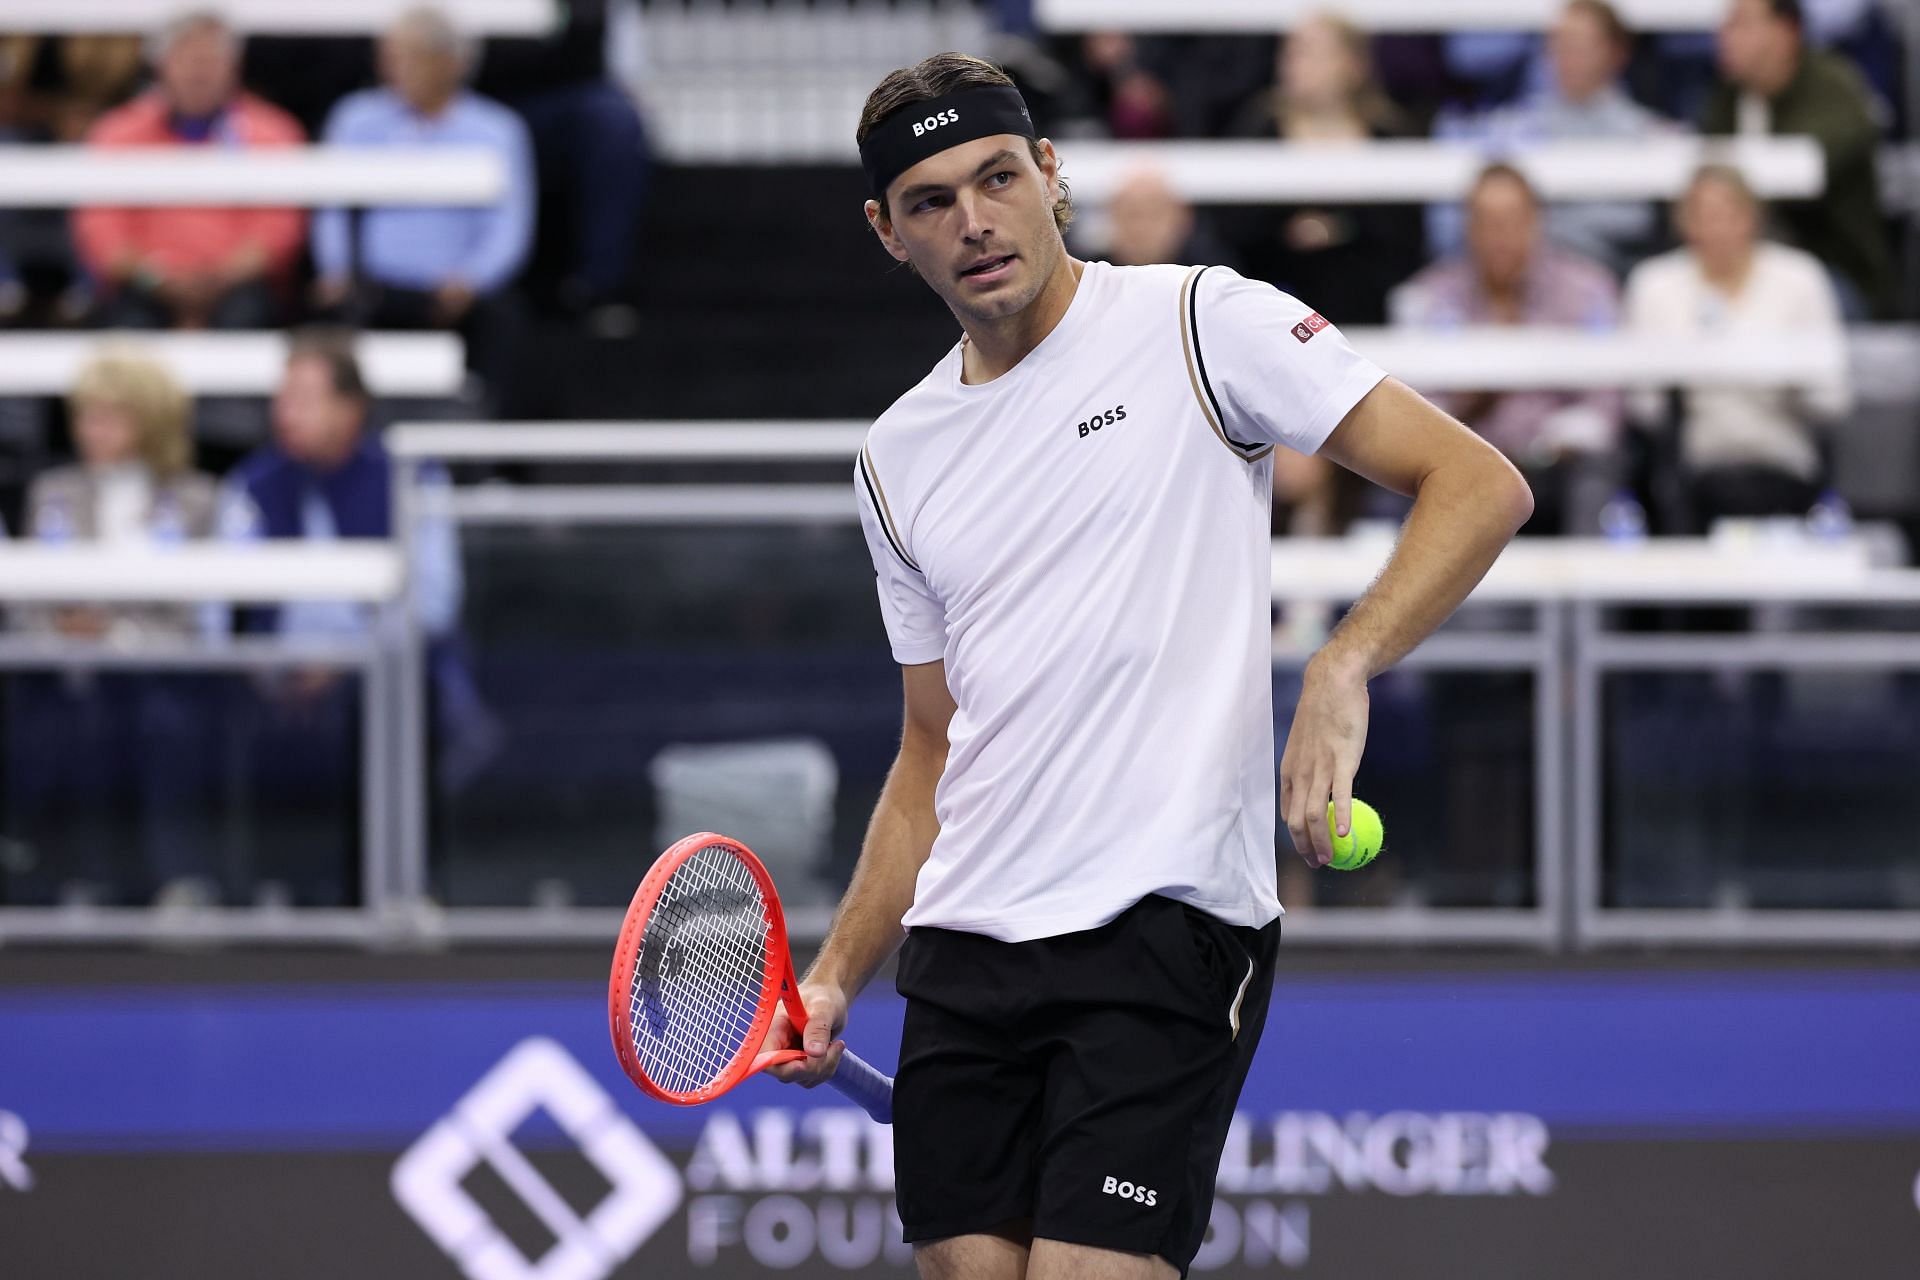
pixel 538 1073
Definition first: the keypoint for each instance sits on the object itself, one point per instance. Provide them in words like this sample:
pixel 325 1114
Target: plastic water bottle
pixel 1830 519
pixel 1623 521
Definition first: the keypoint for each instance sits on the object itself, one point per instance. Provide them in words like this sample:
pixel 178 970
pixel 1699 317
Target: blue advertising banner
pixel 1520 1124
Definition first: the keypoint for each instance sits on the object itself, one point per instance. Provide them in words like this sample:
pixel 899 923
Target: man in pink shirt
pixel 193 268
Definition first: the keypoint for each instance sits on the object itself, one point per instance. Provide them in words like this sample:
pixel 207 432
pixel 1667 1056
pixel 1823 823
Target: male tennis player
pixel 1069 522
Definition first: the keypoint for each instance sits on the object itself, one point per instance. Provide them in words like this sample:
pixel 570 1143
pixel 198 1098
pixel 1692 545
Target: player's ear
pixel 883 228
pixel 1050 169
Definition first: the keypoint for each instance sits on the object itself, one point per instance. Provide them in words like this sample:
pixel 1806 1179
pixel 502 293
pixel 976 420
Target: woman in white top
pixel 1745 451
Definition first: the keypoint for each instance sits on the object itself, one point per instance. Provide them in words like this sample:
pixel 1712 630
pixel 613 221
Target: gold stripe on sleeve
pixel 1184 306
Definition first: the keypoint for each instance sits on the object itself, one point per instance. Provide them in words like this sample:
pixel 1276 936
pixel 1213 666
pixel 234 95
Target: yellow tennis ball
pixel 1359 846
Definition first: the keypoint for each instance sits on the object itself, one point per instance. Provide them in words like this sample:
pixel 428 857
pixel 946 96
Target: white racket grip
pixel 865 1085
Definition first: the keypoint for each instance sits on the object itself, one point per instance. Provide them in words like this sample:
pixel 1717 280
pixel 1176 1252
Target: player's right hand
pixel 826 1006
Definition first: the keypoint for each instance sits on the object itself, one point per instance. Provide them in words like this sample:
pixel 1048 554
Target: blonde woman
pixel 131 486
pixel 110 761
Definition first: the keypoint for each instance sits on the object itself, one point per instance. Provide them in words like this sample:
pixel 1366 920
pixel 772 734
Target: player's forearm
pixel 1463 517
pixel 866 928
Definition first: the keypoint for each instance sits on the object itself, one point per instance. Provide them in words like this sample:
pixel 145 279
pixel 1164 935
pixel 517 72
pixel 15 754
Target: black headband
pixel 923 129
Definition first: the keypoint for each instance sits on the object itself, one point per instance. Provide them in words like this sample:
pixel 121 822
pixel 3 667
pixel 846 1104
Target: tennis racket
pixel 701 966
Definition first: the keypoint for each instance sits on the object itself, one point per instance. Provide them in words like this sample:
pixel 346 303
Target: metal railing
pixel 369 575
pixel 1566 587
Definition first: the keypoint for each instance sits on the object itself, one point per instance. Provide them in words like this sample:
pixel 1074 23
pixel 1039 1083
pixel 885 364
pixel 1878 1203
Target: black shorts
pixel 1077 1088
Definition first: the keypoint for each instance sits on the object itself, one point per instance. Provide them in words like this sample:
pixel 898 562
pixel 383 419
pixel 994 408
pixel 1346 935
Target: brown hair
pixel 333 348
pixel 1499 171
pixel 936 77
pixel 132 381
pixel 1615 28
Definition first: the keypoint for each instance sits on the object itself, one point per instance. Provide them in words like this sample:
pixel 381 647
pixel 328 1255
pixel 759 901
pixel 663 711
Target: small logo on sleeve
pixel 1310 326
pixel 1130 1191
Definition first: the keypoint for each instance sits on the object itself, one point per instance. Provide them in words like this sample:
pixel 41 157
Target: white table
pixel 66 176
pixel 1417 172
pixel 278 17
pixel 418 365
pixel 1371 15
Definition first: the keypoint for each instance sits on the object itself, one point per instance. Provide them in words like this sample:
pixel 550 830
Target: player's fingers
pixel 779 1032
pixel 1342 800
pixel 1297 825
pixel 817 1071
pixel 1316 806
pixel 819 1035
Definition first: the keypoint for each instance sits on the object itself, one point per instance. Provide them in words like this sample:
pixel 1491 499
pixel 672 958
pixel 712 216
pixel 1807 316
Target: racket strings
pixel 701 972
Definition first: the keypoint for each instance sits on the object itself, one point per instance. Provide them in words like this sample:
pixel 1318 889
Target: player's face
pixel 976 221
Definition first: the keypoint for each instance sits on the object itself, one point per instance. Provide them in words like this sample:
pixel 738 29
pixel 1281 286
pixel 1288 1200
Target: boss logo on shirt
pixel 1310 326
pixel 1104 419
pixel 1131 1191
pixel 933 122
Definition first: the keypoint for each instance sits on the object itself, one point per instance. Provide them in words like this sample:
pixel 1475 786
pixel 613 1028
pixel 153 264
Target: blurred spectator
pixel 1164 86
pixel 1564 441
pixel 325 477
pixel 133 486
pixel 1775 84
pixel 1743 452
pixel 1585 99
pixel 1131 99
pixel 409 267
pixel 52 91
pixel 1342 260
pixel 95 735
pixel 193 267
pixel 591 147
pixel 1149 223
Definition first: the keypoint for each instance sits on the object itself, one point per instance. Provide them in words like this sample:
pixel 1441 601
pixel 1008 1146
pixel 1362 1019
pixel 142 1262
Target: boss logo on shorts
pixel 932 122
pixel 1105 418
pixel 1131 1191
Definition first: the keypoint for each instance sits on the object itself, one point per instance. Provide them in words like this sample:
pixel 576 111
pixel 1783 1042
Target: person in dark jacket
pixel 1774 84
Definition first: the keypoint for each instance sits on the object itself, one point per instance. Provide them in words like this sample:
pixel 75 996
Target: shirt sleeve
pixel 507 234
pixel 916 621
pixel 1270 368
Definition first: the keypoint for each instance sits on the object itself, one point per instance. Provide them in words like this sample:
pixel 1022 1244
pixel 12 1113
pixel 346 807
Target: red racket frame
pixel 778 984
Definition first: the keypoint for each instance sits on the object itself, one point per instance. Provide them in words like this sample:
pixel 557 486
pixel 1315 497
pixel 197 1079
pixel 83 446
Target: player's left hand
pixel 1323 751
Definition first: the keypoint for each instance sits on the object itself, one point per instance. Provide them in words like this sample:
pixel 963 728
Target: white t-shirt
pixel 1085 542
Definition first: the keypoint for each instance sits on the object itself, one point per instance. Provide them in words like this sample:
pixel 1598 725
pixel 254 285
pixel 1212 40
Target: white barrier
pixel 419 365
pixel 279 17
pixel 1265 16
pixel 1535 359
pixel 364 573
pixel 62 177
pixel 1399 171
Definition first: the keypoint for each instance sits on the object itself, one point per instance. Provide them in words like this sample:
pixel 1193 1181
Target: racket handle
pixel 865 1085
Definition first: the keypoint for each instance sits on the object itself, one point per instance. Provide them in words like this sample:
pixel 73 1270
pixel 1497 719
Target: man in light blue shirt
pixel 1587 53
pixel 410 267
